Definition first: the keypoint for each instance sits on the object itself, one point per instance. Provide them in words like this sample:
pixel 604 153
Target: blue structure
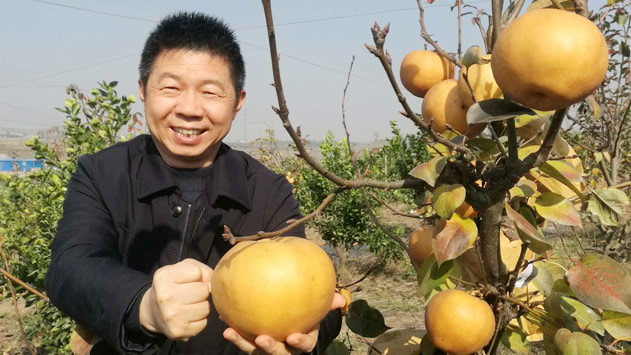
pixel 7 165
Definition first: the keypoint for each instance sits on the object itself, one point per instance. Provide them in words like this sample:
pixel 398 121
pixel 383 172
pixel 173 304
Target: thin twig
pixel 537 314
pixel 578 240
pixel 539 157
pixel 496 11
pixel 399 213
pixel 373 268
pixel 230 238
pixel 429 39
pixel 23 284
pixel 283 112
pixel 515 273
pixel 15 304
pixel 379 38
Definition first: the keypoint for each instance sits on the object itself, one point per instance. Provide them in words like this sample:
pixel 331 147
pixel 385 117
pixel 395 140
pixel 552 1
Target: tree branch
pixel 15 304
pixel 283 113
pixel 496 7
pixel 429 39
pixel 379 38
pixel 230 238
pixel 538 158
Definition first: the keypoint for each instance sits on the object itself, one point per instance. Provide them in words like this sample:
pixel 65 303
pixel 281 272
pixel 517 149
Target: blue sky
pixel 45 47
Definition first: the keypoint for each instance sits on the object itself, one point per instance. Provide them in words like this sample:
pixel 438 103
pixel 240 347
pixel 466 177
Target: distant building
pixel 15 165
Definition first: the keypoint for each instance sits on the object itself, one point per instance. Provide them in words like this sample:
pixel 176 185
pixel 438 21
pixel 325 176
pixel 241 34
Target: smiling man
pixel 141 230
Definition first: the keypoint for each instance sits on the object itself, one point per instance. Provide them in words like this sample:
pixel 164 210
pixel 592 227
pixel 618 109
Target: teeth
pixel 188 132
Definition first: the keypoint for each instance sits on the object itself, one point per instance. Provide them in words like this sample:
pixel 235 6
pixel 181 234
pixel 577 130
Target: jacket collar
pixel 228 177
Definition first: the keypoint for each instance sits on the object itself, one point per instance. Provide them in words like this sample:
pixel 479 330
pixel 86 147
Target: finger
pixel 190 330
pixel 338 301
pixel 195 312
pixel 240 342
pixel 190 293
pixel 271 346
pixel 206 271
pixel 185 271
pixel 303 342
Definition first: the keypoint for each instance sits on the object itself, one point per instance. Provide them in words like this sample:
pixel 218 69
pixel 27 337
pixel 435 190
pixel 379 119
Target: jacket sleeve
pixel 86 279
pixel 281 207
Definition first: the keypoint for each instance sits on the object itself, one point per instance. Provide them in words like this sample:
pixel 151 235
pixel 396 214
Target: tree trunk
pixel 489 244
pixel 342 268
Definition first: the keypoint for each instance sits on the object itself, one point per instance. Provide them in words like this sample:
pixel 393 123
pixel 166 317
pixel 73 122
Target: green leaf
pixel 495 110
pixel 337 348
pixel 516 342
pixel 547 274
pixel 585 317
pixel 600 282
pixel 608 205
pixel 400 341
pixel 577 343
pixel 624 49
pixel 364 320
pixel 557 209
pixel 618 325
pixel 528 232
pixel 431 275
pixel 455 238
pixel 429 171
pixel 447 198
pixel 427 348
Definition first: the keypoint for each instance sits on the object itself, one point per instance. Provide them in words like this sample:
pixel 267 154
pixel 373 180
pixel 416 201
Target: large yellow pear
pixel 421 69
pixel 274 287
pixel 458 323
pixel 548 59
pixel 480 77
pixel 442 105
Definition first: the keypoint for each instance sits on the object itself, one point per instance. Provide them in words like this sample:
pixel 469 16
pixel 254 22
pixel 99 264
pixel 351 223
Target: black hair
pixel 197 32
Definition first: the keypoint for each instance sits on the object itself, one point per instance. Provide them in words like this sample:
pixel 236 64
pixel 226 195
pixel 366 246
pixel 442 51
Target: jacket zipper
pixel 183 236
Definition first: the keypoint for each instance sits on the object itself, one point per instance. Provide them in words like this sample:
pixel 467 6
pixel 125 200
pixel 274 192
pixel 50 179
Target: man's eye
pixel 169 88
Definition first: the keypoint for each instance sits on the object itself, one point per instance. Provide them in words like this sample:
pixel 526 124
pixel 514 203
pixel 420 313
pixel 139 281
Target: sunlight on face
pixel 190 103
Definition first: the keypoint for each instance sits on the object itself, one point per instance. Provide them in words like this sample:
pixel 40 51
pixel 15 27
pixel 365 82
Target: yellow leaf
pixel 447 198
pixel 457 235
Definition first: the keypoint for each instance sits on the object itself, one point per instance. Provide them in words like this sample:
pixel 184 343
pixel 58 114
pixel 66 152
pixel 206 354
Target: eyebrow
pixel 177 78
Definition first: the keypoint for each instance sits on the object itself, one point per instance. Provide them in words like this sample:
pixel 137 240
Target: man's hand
pixel 177 303
pixel 295 343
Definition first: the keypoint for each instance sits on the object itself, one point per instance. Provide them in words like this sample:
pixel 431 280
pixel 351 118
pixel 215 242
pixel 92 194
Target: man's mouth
pixel 188 133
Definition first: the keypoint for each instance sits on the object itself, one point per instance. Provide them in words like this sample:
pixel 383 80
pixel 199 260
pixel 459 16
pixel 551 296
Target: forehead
pixel 189 62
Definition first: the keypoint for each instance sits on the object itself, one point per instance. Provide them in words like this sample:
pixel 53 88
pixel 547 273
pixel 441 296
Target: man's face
pixel 190 103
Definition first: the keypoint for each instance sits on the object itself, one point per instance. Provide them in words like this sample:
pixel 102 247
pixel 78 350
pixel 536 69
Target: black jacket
pixel 124 218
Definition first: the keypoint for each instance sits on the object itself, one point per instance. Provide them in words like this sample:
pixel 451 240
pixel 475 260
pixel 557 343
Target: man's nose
pixel 189 104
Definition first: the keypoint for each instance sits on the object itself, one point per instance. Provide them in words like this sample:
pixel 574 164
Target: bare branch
pixel 283 113
pixel 230 238
pixel 15 304
pixel 496 7
pixel 393 210
pixel 538 158
pixel 429 39
pixel 379 36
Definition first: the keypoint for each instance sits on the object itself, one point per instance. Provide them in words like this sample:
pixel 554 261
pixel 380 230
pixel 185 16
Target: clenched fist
pixel 177 304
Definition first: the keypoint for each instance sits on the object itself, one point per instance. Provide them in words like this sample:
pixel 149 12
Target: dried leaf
pixel 618 325
pixel 455 238
pixel 541 4
pixel 528 232
pixel 399 341
pixel 608 205
pixel 600 282
pixel 557 209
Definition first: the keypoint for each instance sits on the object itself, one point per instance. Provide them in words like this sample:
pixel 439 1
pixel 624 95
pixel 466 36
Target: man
pixel 141 230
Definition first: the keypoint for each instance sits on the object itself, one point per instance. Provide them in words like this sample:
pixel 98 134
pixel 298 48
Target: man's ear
pixel 240 101
pixel 141 90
